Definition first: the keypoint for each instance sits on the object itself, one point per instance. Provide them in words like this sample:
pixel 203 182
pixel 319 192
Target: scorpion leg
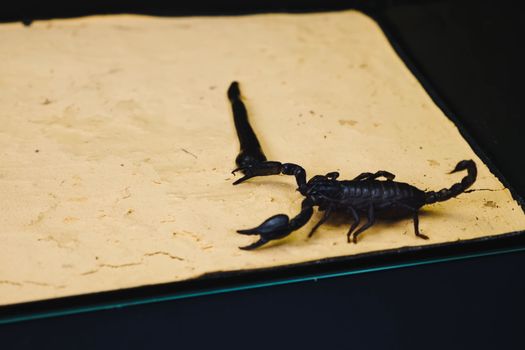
pixel 355 215
pixel 258 169
pixel 415 213
pixel 371 176
pixel 322 221
pixel 371 220
pixel 279 226
pixel 416 226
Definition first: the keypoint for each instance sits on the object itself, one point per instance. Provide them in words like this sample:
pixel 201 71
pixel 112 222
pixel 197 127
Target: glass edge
pixel 242 287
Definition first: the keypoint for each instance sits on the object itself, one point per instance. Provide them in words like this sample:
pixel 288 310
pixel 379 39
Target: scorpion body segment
pixel 369 195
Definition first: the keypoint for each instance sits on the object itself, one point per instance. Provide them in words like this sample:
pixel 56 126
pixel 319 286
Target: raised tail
pixel 457 188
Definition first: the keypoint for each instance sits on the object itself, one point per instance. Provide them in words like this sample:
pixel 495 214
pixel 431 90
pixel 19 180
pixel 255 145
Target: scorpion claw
pixel 241 168
pixel 278 226
pixel 257 169
pixel 246 171
pixel 254 245
pixel 242 179
pixel 247 174
pixel 252 231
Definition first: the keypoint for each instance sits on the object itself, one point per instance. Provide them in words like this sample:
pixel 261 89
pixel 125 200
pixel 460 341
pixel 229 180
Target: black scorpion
pixel 365 195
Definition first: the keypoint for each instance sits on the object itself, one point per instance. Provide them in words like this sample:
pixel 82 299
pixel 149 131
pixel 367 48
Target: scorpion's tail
pixel 457 188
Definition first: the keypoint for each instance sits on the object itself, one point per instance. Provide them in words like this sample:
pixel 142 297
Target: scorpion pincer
pixel 373 195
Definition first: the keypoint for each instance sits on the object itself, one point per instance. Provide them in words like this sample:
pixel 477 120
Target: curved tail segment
pixel 457 188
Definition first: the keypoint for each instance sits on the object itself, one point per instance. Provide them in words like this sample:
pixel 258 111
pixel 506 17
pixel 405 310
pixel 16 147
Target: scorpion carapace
pixel 369 194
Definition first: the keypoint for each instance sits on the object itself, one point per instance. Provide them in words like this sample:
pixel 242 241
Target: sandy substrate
pixel 117 142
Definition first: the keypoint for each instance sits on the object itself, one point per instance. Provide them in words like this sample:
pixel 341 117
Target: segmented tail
pixel 457 188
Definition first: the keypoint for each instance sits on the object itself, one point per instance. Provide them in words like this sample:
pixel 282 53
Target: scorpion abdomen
pixel 381 194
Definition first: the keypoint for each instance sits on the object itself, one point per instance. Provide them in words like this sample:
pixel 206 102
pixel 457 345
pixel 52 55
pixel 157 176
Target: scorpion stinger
pixel 365 195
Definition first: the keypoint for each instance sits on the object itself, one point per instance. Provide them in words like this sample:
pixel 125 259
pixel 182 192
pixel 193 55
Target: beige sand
pixel 117 142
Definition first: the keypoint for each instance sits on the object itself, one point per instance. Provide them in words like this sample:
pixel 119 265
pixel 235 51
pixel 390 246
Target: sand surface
pixel 117 143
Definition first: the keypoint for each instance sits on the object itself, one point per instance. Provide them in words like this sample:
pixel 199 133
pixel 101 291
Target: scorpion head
pixel 320 185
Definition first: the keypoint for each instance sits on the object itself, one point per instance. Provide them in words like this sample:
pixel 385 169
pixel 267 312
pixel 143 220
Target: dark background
pixel 468 55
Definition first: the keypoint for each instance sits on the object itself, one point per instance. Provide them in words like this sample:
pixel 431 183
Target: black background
pixel 469 54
